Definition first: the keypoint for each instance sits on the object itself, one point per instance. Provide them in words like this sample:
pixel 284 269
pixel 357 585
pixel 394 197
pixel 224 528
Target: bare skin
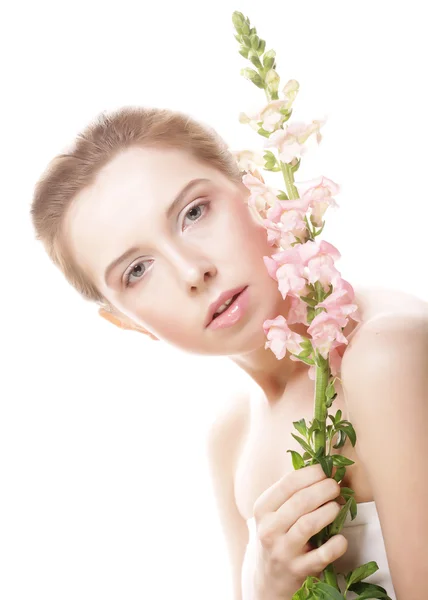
pixel 209 243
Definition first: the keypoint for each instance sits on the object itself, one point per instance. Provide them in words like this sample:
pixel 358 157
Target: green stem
pixel 320 411
pixel 288 174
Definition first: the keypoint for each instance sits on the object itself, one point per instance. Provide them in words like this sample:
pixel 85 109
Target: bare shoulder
pixel 389 315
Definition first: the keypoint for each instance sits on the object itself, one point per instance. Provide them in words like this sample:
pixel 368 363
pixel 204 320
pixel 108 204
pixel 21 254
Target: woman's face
pixel 182 255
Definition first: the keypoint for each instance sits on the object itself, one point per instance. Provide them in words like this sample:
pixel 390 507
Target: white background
pixel 105 492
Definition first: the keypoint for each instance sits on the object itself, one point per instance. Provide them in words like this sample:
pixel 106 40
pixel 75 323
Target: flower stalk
pixel 320 297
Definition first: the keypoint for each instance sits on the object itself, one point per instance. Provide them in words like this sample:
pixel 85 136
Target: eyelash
pixel 129 272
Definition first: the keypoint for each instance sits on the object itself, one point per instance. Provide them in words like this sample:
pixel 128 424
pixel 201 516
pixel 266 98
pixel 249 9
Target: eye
pixel 131 272
pixel 195 212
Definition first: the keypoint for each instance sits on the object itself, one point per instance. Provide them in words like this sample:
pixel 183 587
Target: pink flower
pixel 298 312
pixel 281 338
pixel 326 332
pixel 289 140
pixel 319 259
pixel 248 160
pixel 272 115
pixel 320 196
pixel 262 197
pixel 291 225
pixel 292 280
pixel 341 301
pixel 287 268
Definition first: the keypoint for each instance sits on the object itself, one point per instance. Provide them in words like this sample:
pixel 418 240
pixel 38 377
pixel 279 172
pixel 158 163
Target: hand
pixel 287 515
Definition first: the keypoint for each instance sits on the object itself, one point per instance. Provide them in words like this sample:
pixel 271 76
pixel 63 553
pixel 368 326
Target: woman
pixel 146 215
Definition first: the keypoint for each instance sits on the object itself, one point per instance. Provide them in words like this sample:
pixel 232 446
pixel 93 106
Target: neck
pixel 273 375
pixel 270 374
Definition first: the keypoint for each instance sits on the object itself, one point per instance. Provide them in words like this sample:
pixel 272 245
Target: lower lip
pixel 233 313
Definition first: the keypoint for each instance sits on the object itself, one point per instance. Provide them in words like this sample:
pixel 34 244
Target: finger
pixel 301 507
pixel 314 562
pixel 309 525
pixel 276 495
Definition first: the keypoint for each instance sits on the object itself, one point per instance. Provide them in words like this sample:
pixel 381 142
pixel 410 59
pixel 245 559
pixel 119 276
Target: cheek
pixel 250 234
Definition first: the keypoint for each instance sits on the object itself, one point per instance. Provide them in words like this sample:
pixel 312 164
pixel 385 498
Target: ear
pixel 124 323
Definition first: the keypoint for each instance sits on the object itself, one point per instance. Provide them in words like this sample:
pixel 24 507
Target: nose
pixel 192 267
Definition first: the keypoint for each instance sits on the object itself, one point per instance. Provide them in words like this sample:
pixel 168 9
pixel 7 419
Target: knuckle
pixel 333 488
pixel 265 536
pixel 334 506
pixel 277 557
pixel 305 526
pixel 295 569
pixel 326 556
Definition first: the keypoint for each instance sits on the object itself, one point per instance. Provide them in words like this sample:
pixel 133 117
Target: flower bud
pixel 245 29
pixel 253 56
pixel 272 80
pixel 246 41
pixel 253 76
pixel 238 20
pixel 243 118
pixel 254 39
pixel 269 59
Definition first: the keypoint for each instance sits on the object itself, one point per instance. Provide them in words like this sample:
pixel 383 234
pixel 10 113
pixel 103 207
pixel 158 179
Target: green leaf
pixel 353 509
pixel 345 491
pixel 263 132
pixel 330 391
pixel 308 361
pixel 361 572
pixel 367 591
pixel 338 522
pixel 341 461
pixel 340 472
pixel 311 301
pixel 244 52
pixel 316 425
pixel 329 402
pixel 262 47
pixel 297 460
pixel 329 592
pixel 301 427
pixel 350 432
pixel 304 444
pixel 341 440
pixel 327 465
pixel 300 595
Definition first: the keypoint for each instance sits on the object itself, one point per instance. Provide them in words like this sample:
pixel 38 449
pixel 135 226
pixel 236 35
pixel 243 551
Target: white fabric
pixel 365 544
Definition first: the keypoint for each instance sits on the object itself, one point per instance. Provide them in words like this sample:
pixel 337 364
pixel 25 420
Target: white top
pixel 365 544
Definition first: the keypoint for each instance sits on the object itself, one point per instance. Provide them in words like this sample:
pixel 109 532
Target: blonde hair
pixel 108 134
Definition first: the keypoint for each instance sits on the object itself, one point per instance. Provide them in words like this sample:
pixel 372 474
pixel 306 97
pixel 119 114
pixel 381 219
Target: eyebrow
pixel 127 254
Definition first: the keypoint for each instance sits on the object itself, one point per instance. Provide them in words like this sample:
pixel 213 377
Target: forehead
pixel 117 210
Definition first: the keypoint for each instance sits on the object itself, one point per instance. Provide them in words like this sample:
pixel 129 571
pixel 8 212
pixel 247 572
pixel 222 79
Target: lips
pixel 221 300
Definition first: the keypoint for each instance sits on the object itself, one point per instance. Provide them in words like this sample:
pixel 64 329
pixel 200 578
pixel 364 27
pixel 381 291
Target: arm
pixel 385 381
pixel 222 451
